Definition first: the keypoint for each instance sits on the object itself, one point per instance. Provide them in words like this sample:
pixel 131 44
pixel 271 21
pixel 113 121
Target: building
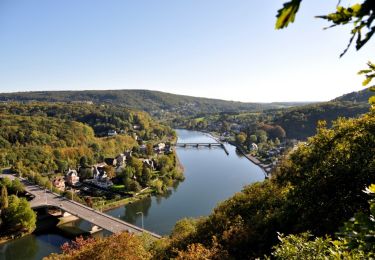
pixel 120 159
pixel 99 173
pixel 72 177
pixel 59 183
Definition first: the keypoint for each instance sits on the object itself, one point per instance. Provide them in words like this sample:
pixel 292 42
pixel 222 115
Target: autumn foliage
pixel 118 246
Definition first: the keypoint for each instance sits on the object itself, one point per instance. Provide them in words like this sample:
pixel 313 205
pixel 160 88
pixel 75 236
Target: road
pixel 44 198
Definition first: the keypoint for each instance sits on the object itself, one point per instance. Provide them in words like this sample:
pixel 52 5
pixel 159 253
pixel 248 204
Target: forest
pixel 158 104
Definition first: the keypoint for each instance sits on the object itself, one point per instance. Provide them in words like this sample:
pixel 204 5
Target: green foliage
pixel 355 240
pixel 132 185
pixel 4 202
pixel 17 187
pixel 328 174
pixel 145 178
pixel 304 246
pixel 287 14
pixel 359 231
pixel 18 216
pixel 159 104
pixel 241 138
pixel 101 118
pixel 370 75
pixel 360 15
pixel 301 122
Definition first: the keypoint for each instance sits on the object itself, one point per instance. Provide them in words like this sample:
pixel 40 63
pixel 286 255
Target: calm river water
pixel 211 176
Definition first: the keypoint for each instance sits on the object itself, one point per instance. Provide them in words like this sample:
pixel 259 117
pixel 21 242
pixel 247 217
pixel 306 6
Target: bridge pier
pixel 94 229
pixel 65 214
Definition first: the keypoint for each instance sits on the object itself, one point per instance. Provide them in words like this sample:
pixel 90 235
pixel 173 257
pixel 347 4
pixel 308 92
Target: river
pixel 211 176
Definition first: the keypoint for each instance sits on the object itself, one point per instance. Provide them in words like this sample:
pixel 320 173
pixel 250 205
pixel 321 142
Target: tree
pixel 262 136
pixel 253 139
pixel 133 185
pixel 361 16
pixel 354 240
pixel 19 215
pixel 6 182
pixel 4 198
pixel 277 132
pixel 118 246
pixel 17 187
pixel 137 164
pixel 149 148
pixel 110 171
pixel 146 177
pixel 241 138
pixel 369 76
pixel 277 141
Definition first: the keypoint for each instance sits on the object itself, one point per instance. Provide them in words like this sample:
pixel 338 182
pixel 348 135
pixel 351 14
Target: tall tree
pixel 4 198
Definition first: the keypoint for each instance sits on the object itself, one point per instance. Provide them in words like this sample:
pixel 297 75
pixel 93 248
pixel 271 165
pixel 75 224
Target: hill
pixel 301 122
pixel 50 137
pixel 361 96
pixel 154 102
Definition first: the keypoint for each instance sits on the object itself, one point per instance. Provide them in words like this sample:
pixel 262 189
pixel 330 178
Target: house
pixel 59 183
pixel 142 148
pixel 149 163
pixel 72 177
pixel 120 159
pixel 128 154
pixel 112 133
pixel 99 173
pixel 159 147
pixel 253 147
pixel 110 161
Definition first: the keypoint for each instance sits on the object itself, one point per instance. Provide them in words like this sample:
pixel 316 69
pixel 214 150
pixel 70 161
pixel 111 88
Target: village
pixel 145 169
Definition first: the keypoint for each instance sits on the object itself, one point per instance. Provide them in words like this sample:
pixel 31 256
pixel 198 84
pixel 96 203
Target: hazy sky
pixel 224 49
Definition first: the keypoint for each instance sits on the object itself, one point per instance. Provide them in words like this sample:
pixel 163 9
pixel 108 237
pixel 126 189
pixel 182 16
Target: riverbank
pixel 108 205
pixel 265 168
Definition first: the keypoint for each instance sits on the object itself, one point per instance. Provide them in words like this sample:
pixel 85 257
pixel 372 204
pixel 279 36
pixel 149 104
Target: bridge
pixel 202 145
pixel 43 198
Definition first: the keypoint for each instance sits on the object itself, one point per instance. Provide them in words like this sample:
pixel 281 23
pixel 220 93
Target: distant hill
pixel 301 122
pixel 361 96
pixel 154 102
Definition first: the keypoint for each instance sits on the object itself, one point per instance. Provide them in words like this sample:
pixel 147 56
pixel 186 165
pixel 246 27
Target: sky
pixel 225 49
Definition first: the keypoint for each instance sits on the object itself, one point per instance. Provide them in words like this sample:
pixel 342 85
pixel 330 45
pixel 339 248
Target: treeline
pixel 157 103
pixel 301 122
pixel 102 118
pixel 50 138
pixel 298 122
pixel 49 145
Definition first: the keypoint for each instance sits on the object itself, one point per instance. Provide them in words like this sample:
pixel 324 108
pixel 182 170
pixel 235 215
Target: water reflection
pixel 210 177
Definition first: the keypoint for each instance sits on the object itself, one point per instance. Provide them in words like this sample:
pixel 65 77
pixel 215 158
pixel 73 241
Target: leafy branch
pixel 361 16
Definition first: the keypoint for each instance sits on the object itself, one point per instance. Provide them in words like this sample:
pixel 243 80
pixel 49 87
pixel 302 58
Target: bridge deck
pixel 203 144
pixel 112 224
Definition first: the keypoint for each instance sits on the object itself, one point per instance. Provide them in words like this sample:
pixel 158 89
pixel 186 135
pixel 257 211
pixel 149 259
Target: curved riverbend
pixel 211 176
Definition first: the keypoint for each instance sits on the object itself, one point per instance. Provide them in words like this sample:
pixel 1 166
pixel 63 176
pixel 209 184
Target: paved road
pixel 43 197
